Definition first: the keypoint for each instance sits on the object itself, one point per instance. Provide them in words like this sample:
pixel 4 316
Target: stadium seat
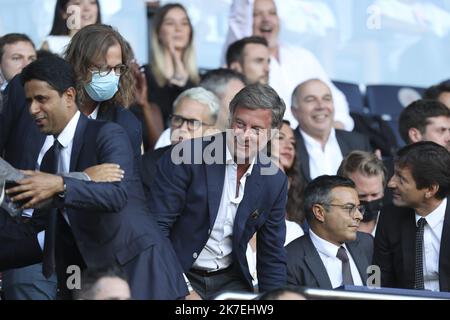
pixel 354 96
pixel 388 101
pixel 391 99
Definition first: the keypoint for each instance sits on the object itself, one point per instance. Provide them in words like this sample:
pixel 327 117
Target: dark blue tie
pixel 49 164
pixel 418 276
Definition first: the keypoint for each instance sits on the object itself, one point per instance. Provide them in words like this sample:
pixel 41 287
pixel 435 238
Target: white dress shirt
pixel 217 252
pixel 327 252
pixel 65 138
pixel 293 231
pixel 163 140
pixel 323 161
pixel 431 245
pixel 94 114
pixel 296 65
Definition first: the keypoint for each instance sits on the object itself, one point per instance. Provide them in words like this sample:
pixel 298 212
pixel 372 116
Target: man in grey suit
pixel 333 253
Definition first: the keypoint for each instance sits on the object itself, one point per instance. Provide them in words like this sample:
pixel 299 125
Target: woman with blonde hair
pixel 173 66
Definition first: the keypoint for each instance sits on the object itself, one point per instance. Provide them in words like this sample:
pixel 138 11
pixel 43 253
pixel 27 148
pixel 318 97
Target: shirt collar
pixel 313 142
pixel 229 160
pixel 436 216
pixel 94 114
pixel 323 246
pixel 68 133
pixel 3 86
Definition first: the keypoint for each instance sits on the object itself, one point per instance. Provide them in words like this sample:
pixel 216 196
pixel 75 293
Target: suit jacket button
pixel 195 255
pixel 209 231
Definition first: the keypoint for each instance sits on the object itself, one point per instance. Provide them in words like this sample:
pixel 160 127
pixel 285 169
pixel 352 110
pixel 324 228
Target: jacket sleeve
pixel 13 106
pixel 113 146
pixel 168 192
pixel 271 254
pixel 382 252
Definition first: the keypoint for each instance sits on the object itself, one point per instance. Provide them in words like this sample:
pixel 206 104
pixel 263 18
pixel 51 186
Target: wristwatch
pixel 62 194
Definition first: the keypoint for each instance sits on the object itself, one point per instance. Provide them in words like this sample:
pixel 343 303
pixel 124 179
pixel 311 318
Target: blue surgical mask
pixel 102 88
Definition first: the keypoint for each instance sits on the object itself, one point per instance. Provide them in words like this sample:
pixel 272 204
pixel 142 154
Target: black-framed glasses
pixel 350 208
pixel 192 124
pixel 119 70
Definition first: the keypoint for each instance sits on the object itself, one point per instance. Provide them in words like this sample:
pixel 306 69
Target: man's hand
pixel 193 295
pixel 36 187
pixel 106 172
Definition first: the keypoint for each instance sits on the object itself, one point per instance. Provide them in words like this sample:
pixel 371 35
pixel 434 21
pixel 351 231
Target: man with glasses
pixel 194 115
pixel 334 253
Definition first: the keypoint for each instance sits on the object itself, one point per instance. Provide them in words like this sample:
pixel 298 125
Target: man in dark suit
pixel 96 224
pixel 211 200
pixel 320 147
pixel 412 242
pixel 333 253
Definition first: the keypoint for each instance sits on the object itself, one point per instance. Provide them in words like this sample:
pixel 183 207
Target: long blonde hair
pixel 157 49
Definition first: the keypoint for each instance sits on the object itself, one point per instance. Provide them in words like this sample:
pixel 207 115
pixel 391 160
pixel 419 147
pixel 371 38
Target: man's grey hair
pixel 260 96
pixel 296 92
pixel 217 80
pixel 202 96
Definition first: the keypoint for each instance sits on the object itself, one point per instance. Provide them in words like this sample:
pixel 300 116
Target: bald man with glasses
pixel 333 253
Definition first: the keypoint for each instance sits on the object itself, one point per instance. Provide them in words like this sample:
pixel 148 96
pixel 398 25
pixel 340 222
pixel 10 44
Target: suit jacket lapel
pixel 249 202
pixel 215 176
pixel 408 239
pixel 359 258
pixel 444 253
pixel 302 154
pixel 35 141
pixel 316 266
pixel 78 141
pixel 345 149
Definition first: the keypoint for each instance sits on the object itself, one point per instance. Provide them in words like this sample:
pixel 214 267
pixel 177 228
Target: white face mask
pixel 102 88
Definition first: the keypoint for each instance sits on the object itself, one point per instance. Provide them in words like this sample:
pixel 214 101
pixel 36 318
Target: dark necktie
pixel 346 272
pixel 49 164
pixel 418 276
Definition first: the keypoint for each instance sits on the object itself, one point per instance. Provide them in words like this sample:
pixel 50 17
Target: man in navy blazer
pixel 412 241
pixel 211 195
pixel 97 224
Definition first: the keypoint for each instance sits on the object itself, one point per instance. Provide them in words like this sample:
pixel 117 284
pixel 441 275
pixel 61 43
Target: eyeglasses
pixel 192 124
pixel 351 209
pixel 119 70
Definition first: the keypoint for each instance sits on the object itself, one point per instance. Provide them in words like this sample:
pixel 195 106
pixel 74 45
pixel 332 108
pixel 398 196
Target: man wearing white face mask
pixel 100 58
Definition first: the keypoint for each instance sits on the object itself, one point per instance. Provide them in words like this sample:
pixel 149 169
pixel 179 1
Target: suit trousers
pixel 209 286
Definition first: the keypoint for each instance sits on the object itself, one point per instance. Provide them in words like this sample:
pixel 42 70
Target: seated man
pixel 225 84
pixel 369 175
pixel 425 120
pixel 412 242
pixel 194 115
pixel 205 108
pixel 105 283
pixel 439 92
pixel 289 65
pixel 320 147
pixel 250 56
pixel 16 51
pixel 333 253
